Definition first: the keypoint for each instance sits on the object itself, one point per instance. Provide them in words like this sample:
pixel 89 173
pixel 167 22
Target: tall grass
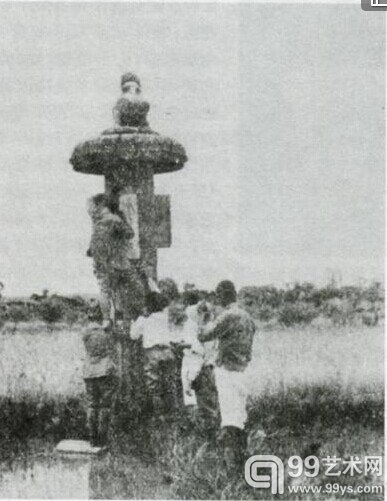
pixel 313 390
pixel 33 364
pixel 348 356
pixel 50 363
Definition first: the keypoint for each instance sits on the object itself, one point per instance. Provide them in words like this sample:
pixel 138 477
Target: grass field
pixel 50 363
pixel 313 390
pixel 41 363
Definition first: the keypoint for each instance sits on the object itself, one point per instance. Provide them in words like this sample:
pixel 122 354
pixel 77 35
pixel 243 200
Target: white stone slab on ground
pixel 77 447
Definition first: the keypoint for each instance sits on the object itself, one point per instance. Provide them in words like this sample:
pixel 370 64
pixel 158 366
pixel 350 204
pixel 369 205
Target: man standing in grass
pixel 204 382
pixel 159 358
pixel 99 373
pixel 234 329
pixel 164 331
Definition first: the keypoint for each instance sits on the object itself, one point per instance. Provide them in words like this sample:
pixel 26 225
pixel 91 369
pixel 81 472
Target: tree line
pixel 295 304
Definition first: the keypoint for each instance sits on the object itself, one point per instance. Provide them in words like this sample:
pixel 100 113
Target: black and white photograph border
pixel 192 261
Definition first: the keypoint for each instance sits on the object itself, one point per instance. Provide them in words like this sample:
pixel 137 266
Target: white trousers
pixel 232 393
pixel 190 368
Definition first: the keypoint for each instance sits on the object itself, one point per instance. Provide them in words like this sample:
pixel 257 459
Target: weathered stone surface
pixel 139 181
pixel 128 155
pixel 162 223
pixel 128 152
pixel 131 112
pixel 127 129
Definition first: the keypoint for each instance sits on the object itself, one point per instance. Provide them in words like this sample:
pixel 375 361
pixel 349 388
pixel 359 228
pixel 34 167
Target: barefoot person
pixel 234 329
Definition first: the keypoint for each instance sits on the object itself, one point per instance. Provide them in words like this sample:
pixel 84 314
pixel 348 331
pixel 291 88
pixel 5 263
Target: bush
pixel 93 312
pixel 265 313
pixel 261 302
pixel 374 293
pixel 16 313
pixel 298 420
pixel 71 317
pixel 297 313
pixel 38 417
pixel 320 296
pixel 266 295
pixel 51 311
pixel 300 292
pixel 3 315
pixel 340 311
pixel 169 288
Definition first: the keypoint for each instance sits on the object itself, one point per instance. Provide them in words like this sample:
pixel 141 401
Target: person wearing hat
pixel 99 374
pixel 234 330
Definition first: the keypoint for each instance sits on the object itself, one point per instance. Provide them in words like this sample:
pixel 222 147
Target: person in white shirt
pixel 203 382
pixel 153 328
pixel 197 354
pixel 188 351
pixel 162 330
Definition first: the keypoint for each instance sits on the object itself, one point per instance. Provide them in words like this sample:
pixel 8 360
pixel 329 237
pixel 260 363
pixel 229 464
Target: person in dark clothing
pixel 99 374
pixel 234 331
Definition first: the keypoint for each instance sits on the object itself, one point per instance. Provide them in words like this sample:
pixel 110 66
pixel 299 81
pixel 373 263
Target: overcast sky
pixel 279 107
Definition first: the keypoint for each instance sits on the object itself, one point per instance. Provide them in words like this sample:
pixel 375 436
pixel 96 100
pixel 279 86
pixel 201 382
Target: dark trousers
pixel 233 443
pixel 99 394
pixel 160 377
pixel 207 400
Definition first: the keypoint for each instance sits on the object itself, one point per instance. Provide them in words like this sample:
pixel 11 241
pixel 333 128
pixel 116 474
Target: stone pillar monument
pixel 128 155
